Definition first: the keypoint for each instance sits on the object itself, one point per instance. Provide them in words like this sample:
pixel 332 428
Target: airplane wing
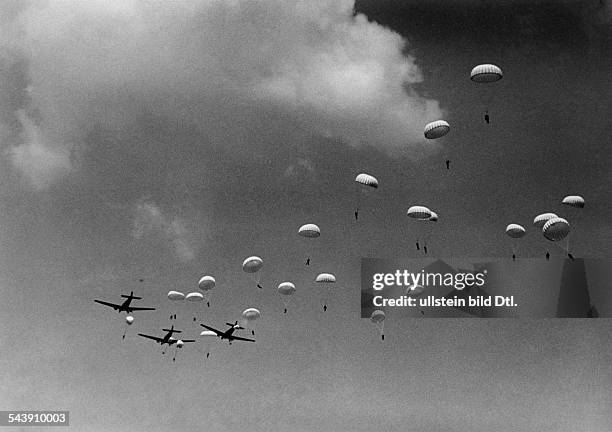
pixel 242 339
pixel 218 332
pixel 156 339
pixel 114 306
pixel 140 308
pixel 188 340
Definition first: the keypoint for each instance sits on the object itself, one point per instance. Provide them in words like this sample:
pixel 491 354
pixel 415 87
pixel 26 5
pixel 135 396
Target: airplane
pixel 168 339
pixel 125 306
pixel 228 334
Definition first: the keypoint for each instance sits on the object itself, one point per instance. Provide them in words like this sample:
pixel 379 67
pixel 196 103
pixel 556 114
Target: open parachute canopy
pixel 252 264
pixel 206 283
pixel 286 288
pixel 541 219
pixel 175 295
pixel 377 316
pixel 486 73
pixel 556 229
pixel 367 180
pixel 206 333
pixel 326 278
pixel 251 314
pixel 574 201
pixel 515 231
pixel 433 217
pixel 309 230
pixel 419 212
pixel 129 319
pixel 436 129
pixel 194 297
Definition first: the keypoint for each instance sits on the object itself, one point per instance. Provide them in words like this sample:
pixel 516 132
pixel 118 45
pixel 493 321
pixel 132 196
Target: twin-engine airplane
pixel 168 339
pixel 229 333
pixel 125 306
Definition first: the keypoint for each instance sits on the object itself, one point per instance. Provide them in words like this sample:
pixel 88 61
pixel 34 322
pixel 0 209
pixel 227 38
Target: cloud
pixel 302 167
pixel 150 221
pixel 40 163
pixel 333 73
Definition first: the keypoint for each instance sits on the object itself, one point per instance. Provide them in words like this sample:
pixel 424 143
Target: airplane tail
pixel 172 330
pixel 131 296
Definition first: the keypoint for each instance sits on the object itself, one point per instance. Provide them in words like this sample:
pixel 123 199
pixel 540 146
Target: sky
pixel 167 140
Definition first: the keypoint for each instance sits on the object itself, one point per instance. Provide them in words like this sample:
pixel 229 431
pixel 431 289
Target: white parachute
pixel 129 320
pixel 206 285
pixel 419 212
pixel 365 185
pixel 176 296
pixel 252 265
pixel 249 317
pixel 515 232
pixel 556 229
pixel 541 219
pixel 436 129
pixel 309 231
pixel 327 280
pixel 378 319
pixel 574 201
pixel 286 290
pixel 486 73
pixel 208 338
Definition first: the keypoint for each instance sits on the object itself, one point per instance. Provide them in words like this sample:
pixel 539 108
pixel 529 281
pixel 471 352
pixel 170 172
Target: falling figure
pixel 285 310
pixel 417 245
pixel 487 117
pixel 382 336
pixel 513 257
pixel 259 286
pixel 547 256
pixel 194 318
pixel 207 354
pixel 307 261
pixel 447 164
pixel 324 308
pixel 253 332
pixel 356 214
pixel 570 256
pixel 425 249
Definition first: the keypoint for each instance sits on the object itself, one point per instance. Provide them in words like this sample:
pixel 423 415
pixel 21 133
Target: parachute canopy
pixel 129 319
pixel 573 201
pixel 367 180
pixel 541 219
pixel 419 212
pixel 180 343
pixel 326 278
pixel 556 229
pixel 194 297
pixel 309 230
pixel 433 217
pixel 436 129
pixel 252 264
pixel 515 231
pixel 286 288
pixel 377 316
pixel 251 314
pixel 415 290
pixel 206 333
pixel 486 73
pixel 206 283
pixel 175 295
